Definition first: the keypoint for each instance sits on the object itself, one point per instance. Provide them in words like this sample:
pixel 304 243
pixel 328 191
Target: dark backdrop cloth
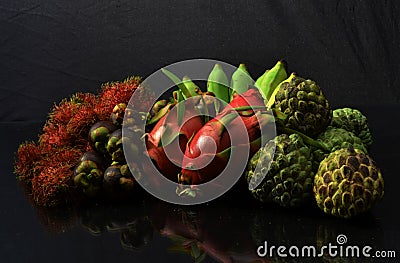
pixel 51 49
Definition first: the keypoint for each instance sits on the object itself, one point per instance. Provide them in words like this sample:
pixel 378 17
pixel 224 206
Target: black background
pixel 51 49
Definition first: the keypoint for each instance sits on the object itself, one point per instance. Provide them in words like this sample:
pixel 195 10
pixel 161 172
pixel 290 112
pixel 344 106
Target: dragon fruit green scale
pixel 289 180
pixel 348 182
pixel 305 105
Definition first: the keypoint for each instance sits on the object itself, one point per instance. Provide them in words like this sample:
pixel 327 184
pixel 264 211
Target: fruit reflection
pixel 219 231
pixel 222 233
pixel 131 221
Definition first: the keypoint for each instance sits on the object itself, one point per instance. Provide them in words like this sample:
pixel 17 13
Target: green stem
pixel 225 120
pixel 245 108
pixel 307 140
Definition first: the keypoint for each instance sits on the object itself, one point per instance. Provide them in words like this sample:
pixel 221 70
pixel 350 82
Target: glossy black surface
pixel 227 229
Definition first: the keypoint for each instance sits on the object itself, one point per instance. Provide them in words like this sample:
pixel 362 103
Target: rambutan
pixel 80 123
pixel 46 167
pixel 144 99
pixel 74 133
pixel 58 156
pixel 113 93
pixel 29 153
pixel 62 113
pixel 54 136
pixel 52 184
pixel 84 98
pixel 65 156
pixel 69 120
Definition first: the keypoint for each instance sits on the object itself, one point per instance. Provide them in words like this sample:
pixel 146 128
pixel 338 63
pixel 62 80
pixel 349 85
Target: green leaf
pixel 178 249
pixel 180 108
pixel 260 79
pixel 240 80
pixel 195 250
pixel 190 139
pixel 197 254
pixel 168 136
pixel 177 82
pixel 225 153
pixel 201 258
pixel 191 87
pixel 272 79
pixel 217 83
pixel 206 113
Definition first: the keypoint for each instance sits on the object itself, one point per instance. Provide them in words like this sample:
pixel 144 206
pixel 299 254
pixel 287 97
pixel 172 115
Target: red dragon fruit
pixel 207 154
pixel 168 128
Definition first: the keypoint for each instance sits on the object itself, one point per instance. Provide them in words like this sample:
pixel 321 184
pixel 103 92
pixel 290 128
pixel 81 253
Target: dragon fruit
pixel 207 154
pixel 168 127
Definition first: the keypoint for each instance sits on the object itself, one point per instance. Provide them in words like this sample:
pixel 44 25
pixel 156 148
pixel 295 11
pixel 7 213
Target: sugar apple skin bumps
pixel 288 182
pixel 335 139
pixel 305 105
pixel 347 183
pixel 353 121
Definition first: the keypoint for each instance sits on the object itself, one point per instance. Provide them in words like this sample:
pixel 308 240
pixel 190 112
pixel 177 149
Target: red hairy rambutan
pixel 51 185
pixel 113 93
pixel 62 113
pixel 58 156
pixel 145 98
pixel 84 98
pixel 28 154
pixel 67 108
pixel 69 120
pixel 65 156
pixel 80 123
pixel 54 136
pixel 46 167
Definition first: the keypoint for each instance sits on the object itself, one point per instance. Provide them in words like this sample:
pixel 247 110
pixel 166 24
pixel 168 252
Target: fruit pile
pixel 65 157
pixel 318 155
